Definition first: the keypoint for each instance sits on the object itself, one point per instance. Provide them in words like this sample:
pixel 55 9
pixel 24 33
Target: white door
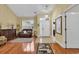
pixel 72 21
pixel 73 31
pixel 44 27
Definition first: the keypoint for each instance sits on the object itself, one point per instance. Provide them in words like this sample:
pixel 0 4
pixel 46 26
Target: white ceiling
pixel 29 9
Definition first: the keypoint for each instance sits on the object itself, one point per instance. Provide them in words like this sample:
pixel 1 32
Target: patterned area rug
pixel 44 48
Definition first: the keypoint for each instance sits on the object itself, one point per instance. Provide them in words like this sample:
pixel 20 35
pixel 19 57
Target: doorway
pixel 44 27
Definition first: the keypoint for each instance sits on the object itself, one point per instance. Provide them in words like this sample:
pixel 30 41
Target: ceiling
pixel 30 9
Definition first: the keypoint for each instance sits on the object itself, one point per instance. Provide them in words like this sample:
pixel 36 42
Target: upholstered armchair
pixel 3 40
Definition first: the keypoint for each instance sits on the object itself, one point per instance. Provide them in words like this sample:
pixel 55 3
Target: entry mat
pixel 44 48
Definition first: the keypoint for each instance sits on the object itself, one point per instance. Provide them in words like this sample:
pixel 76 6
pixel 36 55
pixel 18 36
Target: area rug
pixel 44 48
pixel 27 40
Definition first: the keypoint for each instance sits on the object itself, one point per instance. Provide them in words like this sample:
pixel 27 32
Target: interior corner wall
pixel 19 22
pixel 51 27
pixel 58 9
pixel 7 17
pixel 35 25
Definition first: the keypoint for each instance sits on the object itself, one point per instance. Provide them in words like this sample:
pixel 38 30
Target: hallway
pixel 24 28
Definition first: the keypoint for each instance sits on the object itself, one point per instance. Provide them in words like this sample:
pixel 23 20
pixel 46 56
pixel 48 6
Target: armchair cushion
pixel 3 40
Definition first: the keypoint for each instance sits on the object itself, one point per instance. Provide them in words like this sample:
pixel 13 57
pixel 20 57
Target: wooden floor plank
pixel 7 47
pixel 15 48
pixel 60 50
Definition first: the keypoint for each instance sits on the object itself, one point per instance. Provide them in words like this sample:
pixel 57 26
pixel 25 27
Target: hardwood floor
pixel 31 48
pixel 57 49
pixel 16 48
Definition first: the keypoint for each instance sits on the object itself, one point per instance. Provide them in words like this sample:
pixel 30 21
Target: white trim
pixel 41 40
pixel 65 10
pixel 61 15
pixel 70 7
pixel 60 44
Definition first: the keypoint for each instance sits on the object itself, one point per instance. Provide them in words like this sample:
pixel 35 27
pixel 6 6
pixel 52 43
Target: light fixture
pixel 46 16
pixel 46 6
pixel 41 18
pixel 35 12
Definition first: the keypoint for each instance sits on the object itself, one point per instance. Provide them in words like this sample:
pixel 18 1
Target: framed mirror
pixel 58 26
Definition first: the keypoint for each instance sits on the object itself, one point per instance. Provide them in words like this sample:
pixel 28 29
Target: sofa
pixel 25 33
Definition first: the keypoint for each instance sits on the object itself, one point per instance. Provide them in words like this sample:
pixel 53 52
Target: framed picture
pixel 58 26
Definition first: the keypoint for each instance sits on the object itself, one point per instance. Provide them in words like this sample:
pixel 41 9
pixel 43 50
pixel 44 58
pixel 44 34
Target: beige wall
pixel 37 22
pixel 23 18
pixel 26 18
pixel 19 21
pixel 50 15
pixel 58 9
pixel 7 17
pixel 35 26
